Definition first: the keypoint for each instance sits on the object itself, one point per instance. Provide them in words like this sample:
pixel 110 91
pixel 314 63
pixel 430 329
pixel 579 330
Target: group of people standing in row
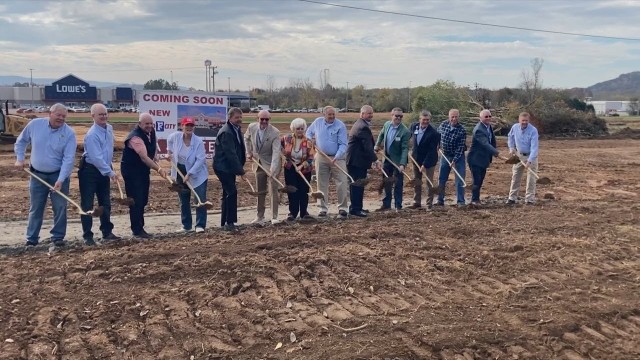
pixel 324 148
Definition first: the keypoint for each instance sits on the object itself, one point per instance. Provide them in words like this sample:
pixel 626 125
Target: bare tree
pixel 531 80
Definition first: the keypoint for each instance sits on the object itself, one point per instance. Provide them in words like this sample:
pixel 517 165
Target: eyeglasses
pixel 299 128
pixel 265 119
pixel 487 116
pixel 398 116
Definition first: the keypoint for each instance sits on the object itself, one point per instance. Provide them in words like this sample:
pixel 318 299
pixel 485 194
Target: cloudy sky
pixel 137 40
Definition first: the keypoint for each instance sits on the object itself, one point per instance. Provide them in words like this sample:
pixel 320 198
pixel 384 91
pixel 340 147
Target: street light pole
pixel 207 66
pixel 213 78
pixel 31 83
pixel 229 84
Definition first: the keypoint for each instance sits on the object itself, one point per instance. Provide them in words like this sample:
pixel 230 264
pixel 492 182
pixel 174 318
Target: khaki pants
pixel 517 170
pixel 326 171
pixel 261 185
pixel 417 174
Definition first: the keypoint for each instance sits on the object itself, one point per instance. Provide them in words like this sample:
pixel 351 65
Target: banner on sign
pixel 169 107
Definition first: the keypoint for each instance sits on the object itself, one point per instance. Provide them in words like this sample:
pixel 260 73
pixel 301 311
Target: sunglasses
pixel 487 117
pixel 265 119
pixel 398 116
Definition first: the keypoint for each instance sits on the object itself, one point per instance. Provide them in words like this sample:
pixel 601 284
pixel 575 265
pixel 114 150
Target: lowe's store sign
pixel 70 88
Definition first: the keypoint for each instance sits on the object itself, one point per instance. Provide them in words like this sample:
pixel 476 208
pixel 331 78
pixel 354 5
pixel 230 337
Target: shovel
pixel 314 194
pixel 359 182
pixel 515 159
pixel 206 204
pixel 464 183
pixel 434 189
pixel 96 212
pixel 411 181
pixel 388 180
pixel 123 200
pixel 253 191
pixel 283 189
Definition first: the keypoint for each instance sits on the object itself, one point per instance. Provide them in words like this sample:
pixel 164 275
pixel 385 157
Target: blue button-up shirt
pixel 51 149
pixel 98 148
pixel 391 134
pixel 330 138
pixel 524 140
pixel 420 134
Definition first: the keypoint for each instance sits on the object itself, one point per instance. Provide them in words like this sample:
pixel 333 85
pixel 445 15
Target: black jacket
pixel 131 161
pixel 230 153
pixel 360 146
pixel 426 152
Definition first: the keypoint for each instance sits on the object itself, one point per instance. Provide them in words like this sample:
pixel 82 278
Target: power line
pixel 470 22
pixel 142 69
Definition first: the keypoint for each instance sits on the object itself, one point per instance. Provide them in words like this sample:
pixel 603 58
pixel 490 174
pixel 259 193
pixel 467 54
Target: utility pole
pixel 409 96
pixel 346 102
pixel 207 65
pixel 31 83
pixel 213 78
pixel 229 84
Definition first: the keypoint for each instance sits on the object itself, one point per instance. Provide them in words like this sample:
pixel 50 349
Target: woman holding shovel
pixel 298 154
pixel 186 151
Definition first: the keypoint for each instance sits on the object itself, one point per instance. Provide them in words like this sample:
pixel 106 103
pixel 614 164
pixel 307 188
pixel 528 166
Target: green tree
pixel 440 97
pixel 160 84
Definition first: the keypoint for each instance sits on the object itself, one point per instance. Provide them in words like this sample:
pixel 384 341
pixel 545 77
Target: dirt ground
pixel 556 280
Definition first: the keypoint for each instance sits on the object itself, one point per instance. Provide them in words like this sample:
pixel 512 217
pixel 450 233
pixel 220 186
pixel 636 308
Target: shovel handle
pixel 301 174
pixel 336 165
pixel 396 166
pixel 186 182
pixel 82 212
pixel 268 172
pixel 120 189
pixel 250 185
pixel 530 170
pixel 418 166
pixel 464 183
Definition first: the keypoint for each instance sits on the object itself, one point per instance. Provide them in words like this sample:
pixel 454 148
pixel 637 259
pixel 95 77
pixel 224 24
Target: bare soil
pixel 556 280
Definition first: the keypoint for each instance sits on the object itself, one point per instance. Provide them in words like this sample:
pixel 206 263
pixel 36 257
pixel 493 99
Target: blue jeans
pixel 38 193
pixel 397 186
pixel 445 169
pixel 185 207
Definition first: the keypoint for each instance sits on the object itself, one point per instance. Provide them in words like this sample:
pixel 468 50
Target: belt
pixel 524 154
pixel 32 169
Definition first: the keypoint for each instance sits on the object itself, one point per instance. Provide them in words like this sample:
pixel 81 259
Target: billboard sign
pixel 168 107
pixel 70 88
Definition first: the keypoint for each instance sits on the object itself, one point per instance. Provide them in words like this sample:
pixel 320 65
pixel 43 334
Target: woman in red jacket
pixel 298 152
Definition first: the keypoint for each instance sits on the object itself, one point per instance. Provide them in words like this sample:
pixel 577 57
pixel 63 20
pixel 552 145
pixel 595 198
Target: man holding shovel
pixel 262 141
pixel 228 162
pixel 453 137
pixel 481 153
pixel 425 151
pixel 394 139
pixel 95 173
pixel 53 149
pixel 137 162
pixel 523 142
pixel 360 157
pixel 330 139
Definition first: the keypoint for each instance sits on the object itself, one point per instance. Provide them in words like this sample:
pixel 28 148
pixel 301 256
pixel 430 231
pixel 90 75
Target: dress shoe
pixel 111 237
pixel 291 217
pixel 366 211
pixel 231 228
pixel 382 208
pixel 415 206
pixel 322 214
pixel 143 235
pixel 89 242
pixel 511 202
pixel 359 213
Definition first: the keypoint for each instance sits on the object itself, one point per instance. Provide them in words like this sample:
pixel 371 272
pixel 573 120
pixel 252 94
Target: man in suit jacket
pixel 360 157
pixel 483 148
pixel 394 139
pixel 426 140
pixel 262 141
pixel 228 162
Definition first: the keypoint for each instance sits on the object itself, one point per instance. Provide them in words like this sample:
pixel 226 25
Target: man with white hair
pixel 137 161
pixel 95 174
pixel 483 149
pixel 330 137
pixel 262 141
pixel 453 139
pixel 53 149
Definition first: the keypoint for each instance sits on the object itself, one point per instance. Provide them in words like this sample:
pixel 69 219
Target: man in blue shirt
pixel 523 141
pixel 330 136
pixel 53 148
pixel 95 174
pixel 453 139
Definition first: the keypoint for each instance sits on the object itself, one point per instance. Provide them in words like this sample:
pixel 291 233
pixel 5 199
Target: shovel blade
pixel 289 189
pixel 96 212
pixel 361 182
pixel 514 159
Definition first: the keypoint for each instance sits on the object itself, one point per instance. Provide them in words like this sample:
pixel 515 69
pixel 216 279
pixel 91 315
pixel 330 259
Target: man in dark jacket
pixel 425 139
pixel 360 156
pixel 483 148
pixel 137 161
pixel 228 162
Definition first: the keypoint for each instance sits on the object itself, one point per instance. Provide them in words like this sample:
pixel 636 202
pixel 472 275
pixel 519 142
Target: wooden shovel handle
pixel 300 173
pixel 57 191
pixel 396 166
pixel 268 172
pixel 417 165
pixel 120 189
pixel 186 182
pixel 336 165
pixel 464 183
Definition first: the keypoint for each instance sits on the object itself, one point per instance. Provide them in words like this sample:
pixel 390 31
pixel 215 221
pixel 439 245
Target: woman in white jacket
pixel 186 150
